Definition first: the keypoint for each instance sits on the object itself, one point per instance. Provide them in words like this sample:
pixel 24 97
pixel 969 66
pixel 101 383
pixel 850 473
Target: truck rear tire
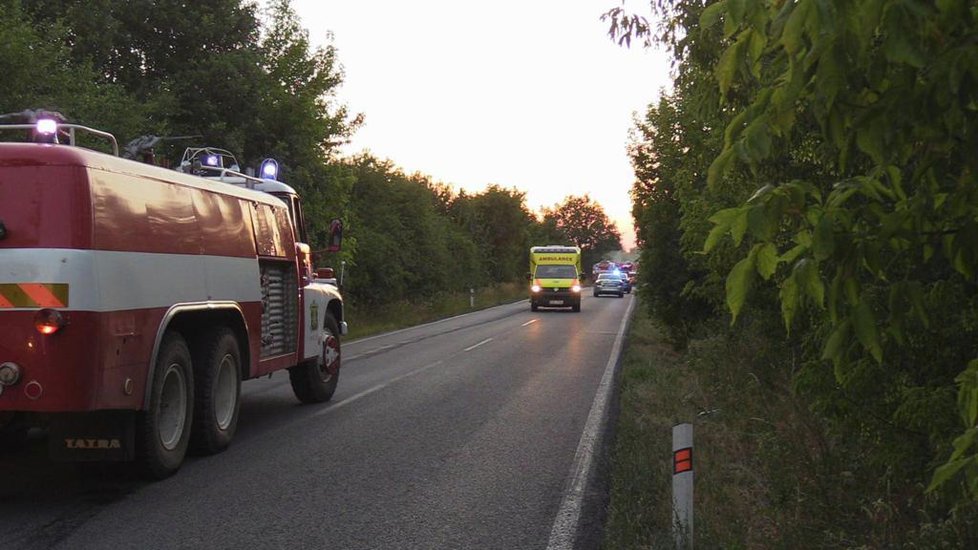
pixel 217 386
pixel 163 430
pixel 315 381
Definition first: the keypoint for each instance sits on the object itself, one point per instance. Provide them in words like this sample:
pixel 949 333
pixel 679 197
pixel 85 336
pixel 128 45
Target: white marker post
pixel 682 485
pixel 471 297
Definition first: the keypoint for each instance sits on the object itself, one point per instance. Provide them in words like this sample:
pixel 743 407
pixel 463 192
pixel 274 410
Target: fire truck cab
pixel 135 299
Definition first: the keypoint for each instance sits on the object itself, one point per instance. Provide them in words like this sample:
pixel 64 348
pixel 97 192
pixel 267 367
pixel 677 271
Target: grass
pixel 756 448
pixel 651 376
pixel 368 320
pixel 769 472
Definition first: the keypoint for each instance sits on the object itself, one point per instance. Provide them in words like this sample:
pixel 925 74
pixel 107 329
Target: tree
pixel 39 73
pixel 826 170
pixel 583 223
pixel 502 231
pixel 659 151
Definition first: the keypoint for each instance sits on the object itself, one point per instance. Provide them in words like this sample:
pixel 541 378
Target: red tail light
pixel 49 321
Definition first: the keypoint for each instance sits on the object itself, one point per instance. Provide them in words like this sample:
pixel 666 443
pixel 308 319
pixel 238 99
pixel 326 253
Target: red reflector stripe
pixel 33 295
pixel 682 460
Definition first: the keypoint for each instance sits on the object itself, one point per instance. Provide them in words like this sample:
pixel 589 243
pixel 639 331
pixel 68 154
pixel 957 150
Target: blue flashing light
pixel 211 160
pixel 47 127
pixel 269 169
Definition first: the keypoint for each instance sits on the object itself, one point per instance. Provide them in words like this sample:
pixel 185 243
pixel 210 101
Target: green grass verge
pixel 638 516
pixel 366 321
pixel 770 473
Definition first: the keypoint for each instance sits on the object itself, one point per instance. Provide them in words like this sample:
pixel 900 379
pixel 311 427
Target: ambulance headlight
pixel 269 169
pixel 576 288
pixel 535 288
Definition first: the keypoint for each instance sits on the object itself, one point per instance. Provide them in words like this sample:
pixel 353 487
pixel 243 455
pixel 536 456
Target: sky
pixel 525 94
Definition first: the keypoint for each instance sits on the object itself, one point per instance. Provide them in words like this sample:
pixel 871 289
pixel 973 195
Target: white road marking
pixel 368 338
pixel 564 530
pixel 369 352
pixel 470 348
pixel 530 322
pixel 378 387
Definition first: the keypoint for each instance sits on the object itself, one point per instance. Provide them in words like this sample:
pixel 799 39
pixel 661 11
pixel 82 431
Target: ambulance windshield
pixel 556 272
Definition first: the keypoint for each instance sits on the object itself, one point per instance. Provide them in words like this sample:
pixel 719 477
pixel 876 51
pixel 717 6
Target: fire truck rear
pixel 134 299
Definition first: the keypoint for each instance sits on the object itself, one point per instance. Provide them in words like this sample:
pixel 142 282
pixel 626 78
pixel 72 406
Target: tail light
pixel 49 321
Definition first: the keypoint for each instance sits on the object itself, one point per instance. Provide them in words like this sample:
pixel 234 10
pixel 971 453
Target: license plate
pixel 556 302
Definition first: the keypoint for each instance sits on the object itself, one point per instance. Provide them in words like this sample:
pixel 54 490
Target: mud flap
pixel 92 436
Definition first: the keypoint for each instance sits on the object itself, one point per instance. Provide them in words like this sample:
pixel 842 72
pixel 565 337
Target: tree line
pixel 249 80
pixel 811 183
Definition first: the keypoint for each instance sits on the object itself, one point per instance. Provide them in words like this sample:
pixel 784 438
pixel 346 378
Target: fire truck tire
pixel 312 381
pixel 217 390
pixel 163 430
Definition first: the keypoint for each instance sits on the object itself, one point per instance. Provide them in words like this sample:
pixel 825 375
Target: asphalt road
pixel 465 433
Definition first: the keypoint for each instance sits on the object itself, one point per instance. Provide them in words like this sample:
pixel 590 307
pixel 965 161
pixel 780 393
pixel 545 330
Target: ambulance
pixel 555 277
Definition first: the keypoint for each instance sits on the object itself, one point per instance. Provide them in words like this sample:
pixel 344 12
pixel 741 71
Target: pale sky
pixel 530 94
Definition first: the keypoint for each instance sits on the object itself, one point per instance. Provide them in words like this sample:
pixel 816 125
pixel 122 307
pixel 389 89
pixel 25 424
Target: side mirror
pixel 325 273
pixel 335 236
pixel 529 276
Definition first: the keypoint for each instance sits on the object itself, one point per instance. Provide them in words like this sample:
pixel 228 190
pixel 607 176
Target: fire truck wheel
pixel 217 387
pixel 163 431
pixel 315 381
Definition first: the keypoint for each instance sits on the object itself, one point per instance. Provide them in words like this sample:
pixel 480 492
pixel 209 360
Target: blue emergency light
pixel 47 127
pixel 269 169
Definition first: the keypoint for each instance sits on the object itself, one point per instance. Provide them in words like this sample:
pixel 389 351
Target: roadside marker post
pixel 682 485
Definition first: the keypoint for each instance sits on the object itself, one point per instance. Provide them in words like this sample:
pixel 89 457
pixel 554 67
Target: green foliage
pixel 889 203
pixel 415 238
pixel 821 161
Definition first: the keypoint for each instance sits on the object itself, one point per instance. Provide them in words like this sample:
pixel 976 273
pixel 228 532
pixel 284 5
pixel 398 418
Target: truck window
pixel 298 223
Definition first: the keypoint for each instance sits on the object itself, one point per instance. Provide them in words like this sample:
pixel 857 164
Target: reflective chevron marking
pixel 33 295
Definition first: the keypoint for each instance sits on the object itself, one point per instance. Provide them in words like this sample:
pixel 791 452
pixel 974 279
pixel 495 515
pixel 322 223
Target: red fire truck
pixel 135 299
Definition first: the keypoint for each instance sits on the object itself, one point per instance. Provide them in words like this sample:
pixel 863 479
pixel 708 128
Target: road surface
pixel 470 432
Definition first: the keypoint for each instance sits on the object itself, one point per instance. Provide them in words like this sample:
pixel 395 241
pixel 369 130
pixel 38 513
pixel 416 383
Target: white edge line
pixel 564 531
pixel 470 348
pixel 530 322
